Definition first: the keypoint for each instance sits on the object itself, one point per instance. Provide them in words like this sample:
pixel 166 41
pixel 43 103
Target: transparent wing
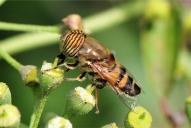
pixel 128 101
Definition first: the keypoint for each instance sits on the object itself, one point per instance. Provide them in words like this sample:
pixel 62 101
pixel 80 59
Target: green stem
pixel 117 15
pixel 28 41
pixel 92 24
pixel 40 104
pixel 28 27
pixel 10 60
pixel 2 1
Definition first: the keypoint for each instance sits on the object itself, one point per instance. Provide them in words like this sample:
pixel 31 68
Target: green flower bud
pixel 59 122
pixel 5 94
pixel 29 75
pixel 50 77
pixel 9 116
pixel 112 125
pixel 79 102
pixel 187 21
pixel 139 117
pixel 188 108
pixel 157 9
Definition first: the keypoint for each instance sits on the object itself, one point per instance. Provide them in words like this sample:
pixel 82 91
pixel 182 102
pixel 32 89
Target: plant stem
pixel 40 104
pixel 2 1
pixel 113 17
pixel 10 60
pixel 28 41
pixel 92 24
pixel 160 44
pixel 28 27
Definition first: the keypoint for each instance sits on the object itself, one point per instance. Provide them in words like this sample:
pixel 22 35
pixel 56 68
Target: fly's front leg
pixel 59 60
pixel 71 66
pixel 81 77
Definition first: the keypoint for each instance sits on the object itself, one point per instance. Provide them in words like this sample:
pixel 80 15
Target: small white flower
pixel 59 122
pixel 85 95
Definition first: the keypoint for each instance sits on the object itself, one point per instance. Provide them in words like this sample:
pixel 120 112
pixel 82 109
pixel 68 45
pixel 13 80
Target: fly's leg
pixel 81 77
pixel 99 84
pixel 97 81
pixel 97 97
pixel 71 66
pixel 59 60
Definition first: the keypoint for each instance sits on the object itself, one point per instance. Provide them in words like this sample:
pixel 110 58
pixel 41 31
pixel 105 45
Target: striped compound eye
pixel 72 42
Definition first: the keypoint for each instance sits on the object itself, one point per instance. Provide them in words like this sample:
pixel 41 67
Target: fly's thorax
pixel 72 42
pixel 93 50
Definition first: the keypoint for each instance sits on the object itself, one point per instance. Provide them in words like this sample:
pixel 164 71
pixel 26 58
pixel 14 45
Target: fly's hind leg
pixel 97 97
pixel 99 84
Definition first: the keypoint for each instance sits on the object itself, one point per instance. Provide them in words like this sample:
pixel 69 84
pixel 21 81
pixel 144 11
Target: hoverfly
pixel 96 60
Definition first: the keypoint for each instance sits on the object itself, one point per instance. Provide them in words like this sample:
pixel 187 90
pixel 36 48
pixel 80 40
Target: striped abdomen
pixel 123 81
pixel 118 78
pixel 72 42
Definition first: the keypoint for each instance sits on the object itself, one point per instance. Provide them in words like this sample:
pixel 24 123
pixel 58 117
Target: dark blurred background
pixel 124 40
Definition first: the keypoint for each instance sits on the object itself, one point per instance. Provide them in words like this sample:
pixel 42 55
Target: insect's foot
pixel 80 79
pixel 97 112
pixel 68 67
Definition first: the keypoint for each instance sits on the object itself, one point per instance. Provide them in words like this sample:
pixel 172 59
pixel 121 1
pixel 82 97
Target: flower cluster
pixel 9 114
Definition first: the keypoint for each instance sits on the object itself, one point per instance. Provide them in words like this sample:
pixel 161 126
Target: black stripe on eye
pixel 78 46
pixel 68 36
pixel 72 44
pixel 121 75
pixel 71 41
pixel 75 45
pixel 67 41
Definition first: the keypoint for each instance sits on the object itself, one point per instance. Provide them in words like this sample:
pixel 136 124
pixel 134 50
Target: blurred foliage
pixel 151 46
